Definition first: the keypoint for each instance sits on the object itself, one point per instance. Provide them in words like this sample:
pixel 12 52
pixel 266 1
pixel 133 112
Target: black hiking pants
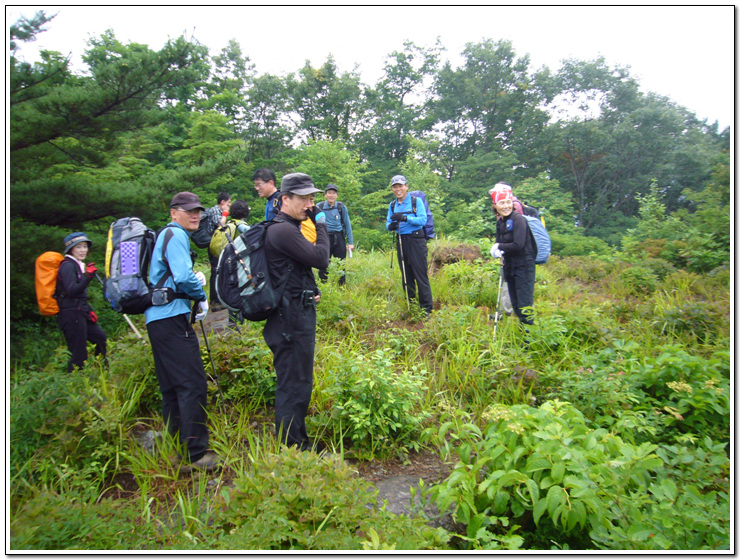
pixel 182 381
pixel 520 279
pixel 413 247
pixel 337 248
pixel 291 335
pixel 78 330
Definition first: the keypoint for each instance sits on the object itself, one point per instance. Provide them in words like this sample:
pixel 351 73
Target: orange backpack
pixel 47 266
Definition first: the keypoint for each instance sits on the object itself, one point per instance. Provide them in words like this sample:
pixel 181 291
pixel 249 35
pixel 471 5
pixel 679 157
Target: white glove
pixel 203 310
pixel 201 278
pixel 495 252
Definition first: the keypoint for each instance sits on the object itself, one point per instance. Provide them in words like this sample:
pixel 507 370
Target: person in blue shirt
pixel 175 346
pixel 411 243
pixel 339 226
pixel 264 183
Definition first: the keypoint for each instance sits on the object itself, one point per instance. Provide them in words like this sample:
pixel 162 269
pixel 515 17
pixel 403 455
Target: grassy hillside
pixel 611 431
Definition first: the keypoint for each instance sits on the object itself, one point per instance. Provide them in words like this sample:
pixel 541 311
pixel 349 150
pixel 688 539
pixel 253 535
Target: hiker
pixel 216 216
pixel 291 331
pixel 175 347
pixel 411 244
pixel 515 247
pixel 503 187
pixel 239 214
pixel 339 226
pixel 264 183
pixel 76 319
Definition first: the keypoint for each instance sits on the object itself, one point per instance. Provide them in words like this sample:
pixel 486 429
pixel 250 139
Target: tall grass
pixel 385 376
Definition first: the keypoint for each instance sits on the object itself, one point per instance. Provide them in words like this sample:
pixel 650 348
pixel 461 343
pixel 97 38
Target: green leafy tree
pixel 612 140
pixel 66 129
pixel 395 106
pixel 268 131
pixel 555 205
pixel 488 105
pixel 325 103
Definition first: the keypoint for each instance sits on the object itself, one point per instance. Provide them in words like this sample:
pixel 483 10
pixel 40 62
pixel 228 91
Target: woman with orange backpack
pixel 76 319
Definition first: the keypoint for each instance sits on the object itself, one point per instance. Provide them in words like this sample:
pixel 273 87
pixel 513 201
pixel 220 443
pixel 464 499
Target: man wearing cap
pixel 175 347
pixel 412 243
pixel 339 227
pixel 264 183
pixel 76 319
pixel 291 332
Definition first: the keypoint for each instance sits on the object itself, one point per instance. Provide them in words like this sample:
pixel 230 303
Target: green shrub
pixel 660 267
pixel 51 521
pixel 541 474
pixel 701 319
pixel 298 501
pixel 600 386
pixel 638 280
pixel 569 245
pixel 244 367
pixel 587 270
pixel 540 478
pixel 375 406
pixel 691 394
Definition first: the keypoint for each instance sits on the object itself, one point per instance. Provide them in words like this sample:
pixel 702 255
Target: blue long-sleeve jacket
pixel 337 219
pixel 183 279
pixel 413 221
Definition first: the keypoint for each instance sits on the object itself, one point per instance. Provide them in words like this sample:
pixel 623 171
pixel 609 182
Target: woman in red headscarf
pixel 515 246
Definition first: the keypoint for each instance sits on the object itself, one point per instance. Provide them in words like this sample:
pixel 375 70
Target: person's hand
pixel 91 269
pixel 93 316
pixel 496 253
pixel 203 310
pixel 399 217
pixel 351 247
pixel 393 226
pixel 201 278
pixel 316 215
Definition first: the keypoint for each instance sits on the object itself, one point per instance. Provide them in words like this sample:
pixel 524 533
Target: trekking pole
pixel 403 271
pixel 393 247
pixel 498 299
pixel 130 324
pixel 210 356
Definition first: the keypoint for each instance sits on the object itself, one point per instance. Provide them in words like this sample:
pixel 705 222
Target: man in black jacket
pixel 291 331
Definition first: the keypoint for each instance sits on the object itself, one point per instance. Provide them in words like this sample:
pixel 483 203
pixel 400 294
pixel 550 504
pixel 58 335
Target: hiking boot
pixel 209 462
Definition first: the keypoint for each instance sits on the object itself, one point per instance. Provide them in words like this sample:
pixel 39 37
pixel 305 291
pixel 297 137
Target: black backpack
pixel 202 236
pixel 128 255
pixel 243 282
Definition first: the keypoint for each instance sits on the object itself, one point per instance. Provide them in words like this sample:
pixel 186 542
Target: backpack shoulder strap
pixel 167 232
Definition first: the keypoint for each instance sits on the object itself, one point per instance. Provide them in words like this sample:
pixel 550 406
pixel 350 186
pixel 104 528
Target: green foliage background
pixel 610 432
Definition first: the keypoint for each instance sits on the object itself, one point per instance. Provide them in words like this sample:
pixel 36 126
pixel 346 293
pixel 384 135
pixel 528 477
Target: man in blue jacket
pixel 409 221
pixel 339 226
pixel 175 347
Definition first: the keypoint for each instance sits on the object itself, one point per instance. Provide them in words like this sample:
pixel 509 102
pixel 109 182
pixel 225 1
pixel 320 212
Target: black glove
pixel 393 226
pixel 315 214
pixel 398 217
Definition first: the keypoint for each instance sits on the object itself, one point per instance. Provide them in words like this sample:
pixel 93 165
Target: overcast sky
pixel 686 53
